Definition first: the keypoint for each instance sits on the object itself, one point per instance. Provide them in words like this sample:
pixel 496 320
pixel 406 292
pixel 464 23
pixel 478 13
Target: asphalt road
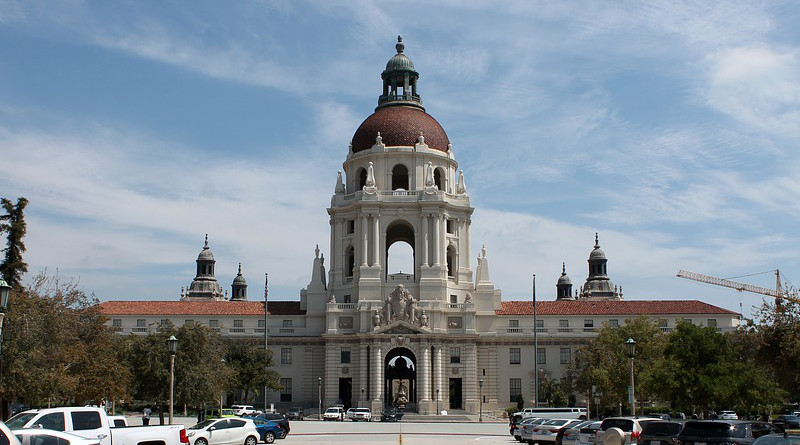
pixel 405 433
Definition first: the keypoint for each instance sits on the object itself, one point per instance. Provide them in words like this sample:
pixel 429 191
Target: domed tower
pixel 564 285
pixel 400 184
pixel 205 285
pixel 239 287
pixel 598 286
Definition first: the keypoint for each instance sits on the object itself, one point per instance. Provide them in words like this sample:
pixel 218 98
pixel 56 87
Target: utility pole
pixel 266 336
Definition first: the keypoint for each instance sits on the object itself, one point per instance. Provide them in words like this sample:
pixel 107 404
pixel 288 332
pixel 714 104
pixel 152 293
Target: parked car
pixel 282 421
pixel 728 415
pixel 92 422
pixel 245 410
pixel 528 423
pixel 622 430
pixel 588 433
pixel 268 430
pixel 349 413
pixel 334 413
pixel 660 433
pixel 215 413
pixel 778 439
pixel 786 421
pixel 391 414
pixel 227 431
pixel 362 414
pixel 727 432
pixel 546 432
pixel 295 413
pixel 569 434
pixel 6 436
pixel 41 436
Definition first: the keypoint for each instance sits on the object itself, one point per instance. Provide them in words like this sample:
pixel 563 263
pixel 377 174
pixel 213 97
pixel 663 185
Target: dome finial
pixel 206 246
pixel 596 240
pixel 563 268
pixel 400 46
pixel 240 268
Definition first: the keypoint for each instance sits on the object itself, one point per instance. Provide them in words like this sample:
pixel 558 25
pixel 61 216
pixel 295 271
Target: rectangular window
pixel 188 321
pixel 286 356
pixel 345 355
pixel 164 322
pixel 287 323
pixel 286 389
pixel 514 389
pixel 262 323
pixel 687 320
pixel 117 323
pixel 347 299
pixel 514 323
pixel 141 323
pixel 662 323
pixel 455 355
pixel 563 326
pixel 588 323
pixel 213 323
pixel 540 326
pixel 453 299
pixel 514 356
pixel 351 226
pixel 565 355
pixel 711 322
pixel 86 420
pixel 238 323
pixel 614 323
pixel 541 356
pixel 451 226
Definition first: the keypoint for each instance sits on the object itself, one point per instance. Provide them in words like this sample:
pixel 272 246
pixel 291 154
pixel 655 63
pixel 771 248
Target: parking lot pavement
pixel 405 433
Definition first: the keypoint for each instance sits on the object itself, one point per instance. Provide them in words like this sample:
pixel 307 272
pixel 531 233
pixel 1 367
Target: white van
pixel 556 413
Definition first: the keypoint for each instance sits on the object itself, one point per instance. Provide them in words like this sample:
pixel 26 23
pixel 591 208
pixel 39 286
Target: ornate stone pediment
pixel 400 327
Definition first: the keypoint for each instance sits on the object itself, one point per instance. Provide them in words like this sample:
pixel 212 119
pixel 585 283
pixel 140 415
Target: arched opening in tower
pixel 451 261
pixel 400 177
pixel 350 262
pixel 400 252
pixel 437 179
pixel 362 178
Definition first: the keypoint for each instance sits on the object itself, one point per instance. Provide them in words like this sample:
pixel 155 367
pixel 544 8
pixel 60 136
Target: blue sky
pixel 671 128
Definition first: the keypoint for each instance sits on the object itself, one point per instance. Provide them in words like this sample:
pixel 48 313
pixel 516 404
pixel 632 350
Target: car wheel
pixel 251 440
pixel 269 437
pixel 201 441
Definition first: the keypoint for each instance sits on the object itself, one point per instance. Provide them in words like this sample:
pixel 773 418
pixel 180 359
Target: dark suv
pixel 295 413
pixel 723 432
pixel 660 433
pixel 282 422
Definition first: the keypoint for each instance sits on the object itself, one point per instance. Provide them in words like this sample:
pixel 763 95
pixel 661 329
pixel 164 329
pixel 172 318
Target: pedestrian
pixel 146 415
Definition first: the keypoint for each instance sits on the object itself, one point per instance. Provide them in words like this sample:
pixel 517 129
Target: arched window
pixel 451 261
pixel 350 262
pixel 400 264
pixel 362 178
pixel 400 177
pixel 437 179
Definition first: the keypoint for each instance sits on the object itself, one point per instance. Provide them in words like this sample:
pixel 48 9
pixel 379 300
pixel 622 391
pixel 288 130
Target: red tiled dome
pixel 400 125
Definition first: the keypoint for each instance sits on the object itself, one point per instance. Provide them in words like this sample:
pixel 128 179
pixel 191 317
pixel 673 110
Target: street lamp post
pixel 630 345
pixel 5 291
pixel 319 388
pixel 480 410
pixel 437 402
pixel 362 394
pixel 172 347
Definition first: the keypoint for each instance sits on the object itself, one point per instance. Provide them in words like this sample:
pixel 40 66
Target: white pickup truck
pixel 93 423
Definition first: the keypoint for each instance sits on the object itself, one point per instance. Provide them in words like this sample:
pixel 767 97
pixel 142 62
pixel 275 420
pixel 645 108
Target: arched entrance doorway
pixel 400 368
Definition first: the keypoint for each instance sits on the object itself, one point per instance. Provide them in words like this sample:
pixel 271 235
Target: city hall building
pixel 438 337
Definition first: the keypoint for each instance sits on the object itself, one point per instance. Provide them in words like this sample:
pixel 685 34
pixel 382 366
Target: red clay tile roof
pixel 199 308
pixel 400 126
pixel 613 307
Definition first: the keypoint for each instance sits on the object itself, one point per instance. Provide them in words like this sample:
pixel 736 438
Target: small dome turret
pixel 239 287
pixel 564 285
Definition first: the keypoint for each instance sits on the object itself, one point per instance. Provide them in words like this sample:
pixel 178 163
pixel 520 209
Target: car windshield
pixel 711 429
pixel 19 420
pixel 294 410
pixel 362 410
pixel 661 429
pixel 332 410
pixel 202 425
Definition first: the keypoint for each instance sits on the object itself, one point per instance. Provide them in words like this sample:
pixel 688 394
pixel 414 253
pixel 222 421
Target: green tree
pixel 13 223
pixel 58 349
pixel 603 363
pixel 250 364
pixel 776 334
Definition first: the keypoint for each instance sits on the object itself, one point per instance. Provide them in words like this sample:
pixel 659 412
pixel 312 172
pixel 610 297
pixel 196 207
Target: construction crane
pixel 778 292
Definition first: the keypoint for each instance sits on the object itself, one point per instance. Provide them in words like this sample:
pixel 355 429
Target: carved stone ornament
pixel 345 322
pixel 454 322
pixel 345 370
pixel 400 305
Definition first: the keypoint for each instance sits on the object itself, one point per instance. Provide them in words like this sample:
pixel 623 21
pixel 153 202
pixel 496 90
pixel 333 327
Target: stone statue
pixel 332 299
pixel 468 298
pixel 423 320
pixel 401 398
pixel 400 305
pixel 376 319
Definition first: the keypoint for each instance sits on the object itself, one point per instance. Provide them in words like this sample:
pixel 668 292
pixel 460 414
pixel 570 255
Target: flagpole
pixel 535 350
pixel 266 320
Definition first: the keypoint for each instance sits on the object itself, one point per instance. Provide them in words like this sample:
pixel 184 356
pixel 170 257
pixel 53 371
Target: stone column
pixel 376 237
pixel 424 377
pixel 362 379
pixel 377 375
pixel 437 239
pixel 364 240
pixel 425 240
pixel 471 401
pixel 437 375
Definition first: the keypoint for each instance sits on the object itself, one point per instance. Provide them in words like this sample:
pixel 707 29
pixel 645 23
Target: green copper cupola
pixel 399 80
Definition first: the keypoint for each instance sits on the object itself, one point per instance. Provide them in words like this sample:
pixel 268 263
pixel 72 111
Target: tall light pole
pixel 319 388
pixel 630 345
pixel 172 347
pixel 480 410
pixel 5 291
pixel 535 350
pixel 437 402
pixel 362 394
